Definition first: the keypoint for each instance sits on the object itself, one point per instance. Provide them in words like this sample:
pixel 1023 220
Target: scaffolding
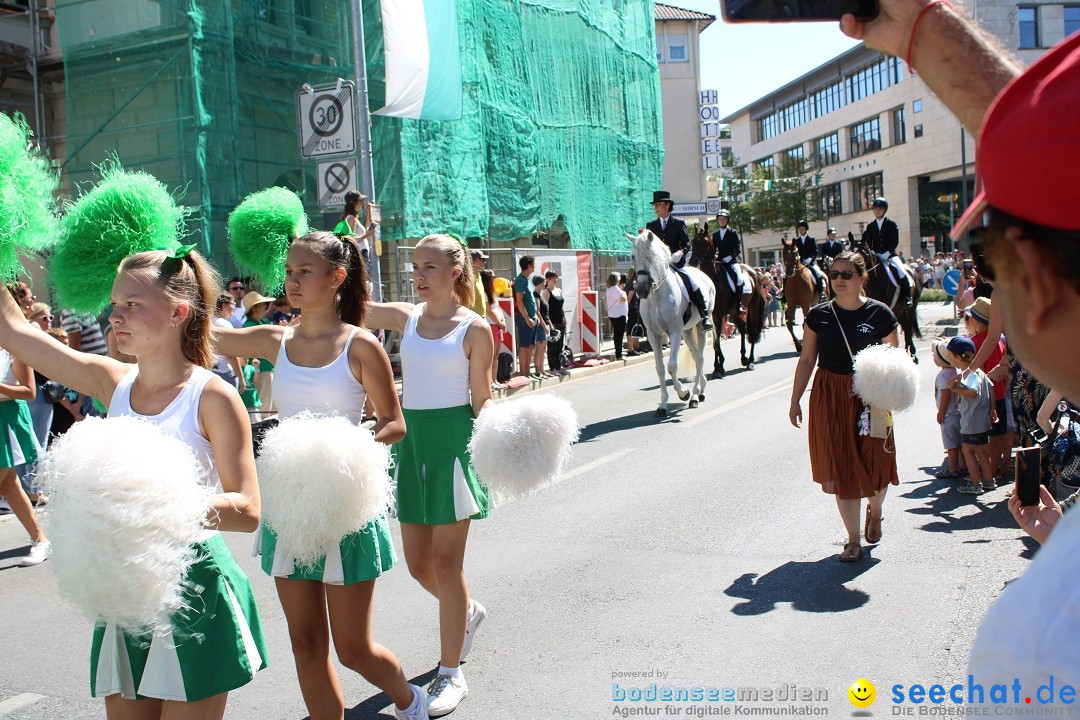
pixel 561 122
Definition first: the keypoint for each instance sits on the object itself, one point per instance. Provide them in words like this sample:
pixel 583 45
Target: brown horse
pixel 703 256
pixel 879 287
pixel 798 288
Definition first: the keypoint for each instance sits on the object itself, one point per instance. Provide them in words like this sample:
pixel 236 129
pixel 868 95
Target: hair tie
pixel 459 239
pixel 182 252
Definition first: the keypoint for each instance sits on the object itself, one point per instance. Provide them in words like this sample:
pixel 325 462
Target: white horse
pixel 663 303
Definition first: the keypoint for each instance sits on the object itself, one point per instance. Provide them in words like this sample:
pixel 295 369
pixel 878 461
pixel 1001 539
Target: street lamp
pixel 951 198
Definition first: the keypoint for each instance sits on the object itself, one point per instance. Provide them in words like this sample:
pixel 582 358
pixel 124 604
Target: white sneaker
pixel 476 616
pixel 419 711
pixel 39 553
pixel 444 694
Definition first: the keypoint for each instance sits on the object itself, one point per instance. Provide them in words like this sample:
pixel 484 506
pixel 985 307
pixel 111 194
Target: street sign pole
pixel 365 169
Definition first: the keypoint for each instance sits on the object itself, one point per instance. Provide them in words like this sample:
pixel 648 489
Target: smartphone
pixel 1028 474
pixel 796 10
pixel 969 269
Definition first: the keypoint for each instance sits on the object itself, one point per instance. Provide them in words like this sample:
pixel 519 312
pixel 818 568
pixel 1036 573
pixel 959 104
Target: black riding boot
pixel 821 290
pixel 699 302
pixel 740 291
pixel 905 290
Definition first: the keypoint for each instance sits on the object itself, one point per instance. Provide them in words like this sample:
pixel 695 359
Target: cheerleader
pixel 162 304
pixel 327 364
pixel 446 352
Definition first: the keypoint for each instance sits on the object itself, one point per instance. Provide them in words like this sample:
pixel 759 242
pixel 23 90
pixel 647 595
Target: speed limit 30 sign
pixel 325 120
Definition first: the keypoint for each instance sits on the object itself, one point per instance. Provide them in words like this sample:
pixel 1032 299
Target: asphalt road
pixel 690 552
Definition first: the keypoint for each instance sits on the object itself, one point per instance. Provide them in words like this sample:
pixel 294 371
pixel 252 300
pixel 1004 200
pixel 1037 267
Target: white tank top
pixel 434 373
pixel 331 389
pixel 179 420
pixel 7 362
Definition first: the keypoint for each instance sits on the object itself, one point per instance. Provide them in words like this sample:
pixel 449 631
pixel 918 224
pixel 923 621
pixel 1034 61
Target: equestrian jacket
pixel 885 240
pixel 727 245
pixel 831 249
pixel 674 236
pixel 807 248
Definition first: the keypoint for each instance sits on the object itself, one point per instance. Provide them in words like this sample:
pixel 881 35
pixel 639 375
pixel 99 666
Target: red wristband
pixel 915 28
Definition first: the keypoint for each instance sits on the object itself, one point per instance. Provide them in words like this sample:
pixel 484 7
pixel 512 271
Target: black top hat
pixel 662 196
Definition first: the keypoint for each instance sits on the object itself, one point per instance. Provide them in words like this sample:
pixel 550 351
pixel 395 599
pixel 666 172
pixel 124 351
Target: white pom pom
pixel 125 509
pixel 519 445
pixel 886 378
pixel 321 478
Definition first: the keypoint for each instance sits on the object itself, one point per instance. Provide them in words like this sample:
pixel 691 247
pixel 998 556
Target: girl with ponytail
pixel 446 356
pixel 327 364
pixel 162 305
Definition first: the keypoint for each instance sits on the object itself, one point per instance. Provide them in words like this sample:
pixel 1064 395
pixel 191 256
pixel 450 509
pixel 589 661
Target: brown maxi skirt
pixel 844 463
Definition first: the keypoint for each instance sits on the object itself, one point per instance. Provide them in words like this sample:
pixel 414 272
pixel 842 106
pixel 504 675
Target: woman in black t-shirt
pixel 844 459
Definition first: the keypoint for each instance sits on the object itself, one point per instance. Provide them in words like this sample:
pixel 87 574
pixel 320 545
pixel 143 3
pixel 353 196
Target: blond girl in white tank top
pixel 446 352
pixel 162 304
pixel 325 278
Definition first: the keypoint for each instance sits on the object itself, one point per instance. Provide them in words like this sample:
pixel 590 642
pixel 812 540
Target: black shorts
pixel 976 439
pixel 1002 425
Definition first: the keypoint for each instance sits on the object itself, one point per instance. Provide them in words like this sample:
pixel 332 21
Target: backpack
pixel 506 367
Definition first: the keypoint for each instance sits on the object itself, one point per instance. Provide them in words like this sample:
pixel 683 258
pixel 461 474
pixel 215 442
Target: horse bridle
pixel 648 275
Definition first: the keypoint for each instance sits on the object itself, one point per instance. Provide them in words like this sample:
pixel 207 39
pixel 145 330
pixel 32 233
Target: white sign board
pixel 689 209
pixel 335 177
pixel 713 205
pixel 324 117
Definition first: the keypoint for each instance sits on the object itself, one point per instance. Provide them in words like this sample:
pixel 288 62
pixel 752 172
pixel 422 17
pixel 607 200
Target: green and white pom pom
pixel 27 196
pixel 125 213
pixel 260 230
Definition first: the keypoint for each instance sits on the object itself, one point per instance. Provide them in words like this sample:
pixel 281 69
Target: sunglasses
pixel 845 274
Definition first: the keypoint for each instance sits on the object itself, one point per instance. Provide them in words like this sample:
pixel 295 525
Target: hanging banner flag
pixel 423 59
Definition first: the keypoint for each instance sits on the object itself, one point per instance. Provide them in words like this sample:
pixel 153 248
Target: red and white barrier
pixel 509 338
pixel 590 322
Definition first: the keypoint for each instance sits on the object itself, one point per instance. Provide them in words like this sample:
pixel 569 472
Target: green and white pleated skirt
pixel 359 557
pixel 215 646
pixel 433 473
pixel 18 444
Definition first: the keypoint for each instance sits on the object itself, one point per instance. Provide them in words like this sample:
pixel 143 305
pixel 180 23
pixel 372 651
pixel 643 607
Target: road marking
pixel 19 701
pixel 736 404
pixel 598 462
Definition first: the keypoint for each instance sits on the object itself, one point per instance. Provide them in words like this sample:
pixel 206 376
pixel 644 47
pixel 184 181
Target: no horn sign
pixel 336 177
pixel 324 117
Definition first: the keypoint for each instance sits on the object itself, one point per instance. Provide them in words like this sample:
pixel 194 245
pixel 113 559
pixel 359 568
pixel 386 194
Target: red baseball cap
pixel 1029 150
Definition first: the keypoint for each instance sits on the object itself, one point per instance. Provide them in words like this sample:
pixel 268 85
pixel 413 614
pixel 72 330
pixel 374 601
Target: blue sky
pixel 746 61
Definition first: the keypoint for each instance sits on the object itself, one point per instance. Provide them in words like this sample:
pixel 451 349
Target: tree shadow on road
pixel 592 431
pixel 370 708
pixel 808 586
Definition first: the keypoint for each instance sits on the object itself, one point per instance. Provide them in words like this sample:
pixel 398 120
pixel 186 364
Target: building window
pixel 1028 19
pixel 899 130
pixel 829 204
pixel 1072 19
pixel 827 150
pixel 918 131
pixel 865 137
pixel 766 164
pixel 793 162
pixel 867 188
pixel 916 106
pixel 676 48
pixel 875 78
pixel 659 49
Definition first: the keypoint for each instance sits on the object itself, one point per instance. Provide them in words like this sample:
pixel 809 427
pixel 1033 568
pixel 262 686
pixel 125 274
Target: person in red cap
pixel 1025 239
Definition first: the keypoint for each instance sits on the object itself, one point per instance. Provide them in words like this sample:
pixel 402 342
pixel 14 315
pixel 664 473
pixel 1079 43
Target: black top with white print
pixel 869 325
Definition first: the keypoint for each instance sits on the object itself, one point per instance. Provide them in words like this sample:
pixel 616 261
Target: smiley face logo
pixel 862 693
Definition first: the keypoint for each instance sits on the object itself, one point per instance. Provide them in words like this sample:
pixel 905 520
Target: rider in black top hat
pixel 673 232
pixel 727 246
pixel 832 247
pixel 808 252
pixel 883 238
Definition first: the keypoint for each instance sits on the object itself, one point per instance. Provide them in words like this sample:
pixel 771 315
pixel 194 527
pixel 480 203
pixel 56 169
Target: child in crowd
pixel 976 415
pixel 977 321
pixel 948 411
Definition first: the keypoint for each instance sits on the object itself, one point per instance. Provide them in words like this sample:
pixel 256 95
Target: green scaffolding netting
pixel 561 122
